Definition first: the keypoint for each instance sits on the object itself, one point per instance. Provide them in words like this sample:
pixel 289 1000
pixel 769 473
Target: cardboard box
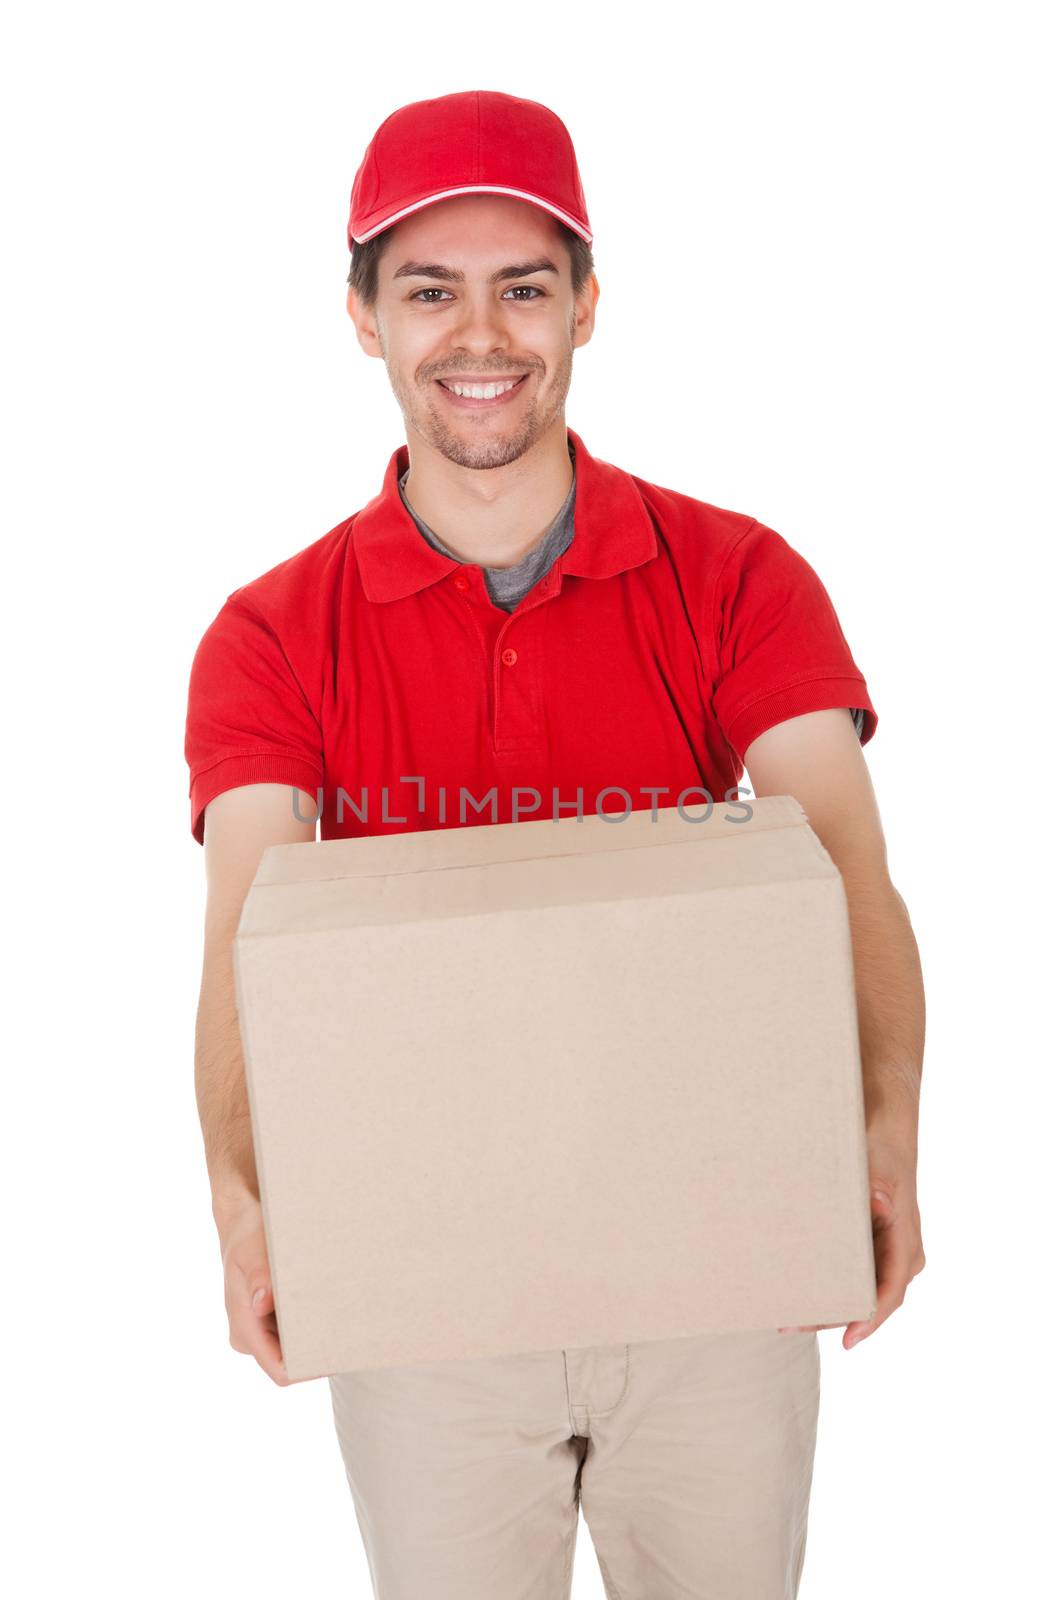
pixel 532 1085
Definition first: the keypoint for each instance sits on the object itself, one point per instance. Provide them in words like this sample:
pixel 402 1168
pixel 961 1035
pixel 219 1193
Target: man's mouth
pixel 481 391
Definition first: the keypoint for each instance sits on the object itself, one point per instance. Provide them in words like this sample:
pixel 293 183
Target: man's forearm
pixel 221 1090
pixel 890 1010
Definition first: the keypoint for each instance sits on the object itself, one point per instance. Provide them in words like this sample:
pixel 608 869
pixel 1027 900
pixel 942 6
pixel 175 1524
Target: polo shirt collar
pixel 613 531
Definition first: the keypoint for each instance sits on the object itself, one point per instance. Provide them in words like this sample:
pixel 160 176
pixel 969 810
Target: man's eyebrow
pixel 426 269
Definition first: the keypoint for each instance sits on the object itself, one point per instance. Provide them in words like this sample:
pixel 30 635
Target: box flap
pixel 434 848
pixel 317 886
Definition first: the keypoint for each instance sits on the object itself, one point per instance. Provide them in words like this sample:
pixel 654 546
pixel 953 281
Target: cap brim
pixel 379 226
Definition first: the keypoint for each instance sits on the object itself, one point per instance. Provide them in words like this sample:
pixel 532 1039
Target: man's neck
pixel 495 516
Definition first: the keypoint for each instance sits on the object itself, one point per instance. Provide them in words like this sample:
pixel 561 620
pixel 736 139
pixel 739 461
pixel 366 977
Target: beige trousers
pixel 692 1459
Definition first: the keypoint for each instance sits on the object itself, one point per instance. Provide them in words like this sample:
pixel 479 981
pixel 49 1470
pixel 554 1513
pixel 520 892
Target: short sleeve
pixel 248 720
pixel 781 651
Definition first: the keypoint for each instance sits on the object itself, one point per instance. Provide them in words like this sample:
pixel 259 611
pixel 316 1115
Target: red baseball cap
pixel 476 142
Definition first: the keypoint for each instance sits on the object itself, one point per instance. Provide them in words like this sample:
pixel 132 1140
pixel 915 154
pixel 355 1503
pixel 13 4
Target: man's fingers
pixel 259 1335
pixel 253 1317
pixel 892 1266
pixel 267 1349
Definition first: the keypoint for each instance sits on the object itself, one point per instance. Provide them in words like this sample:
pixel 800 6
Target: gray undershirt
pixel 508 585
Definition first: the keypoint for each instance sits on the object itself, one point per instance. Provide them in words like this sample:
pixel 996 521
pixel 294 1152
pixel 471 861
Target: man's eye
pixel 526 287
pixel 420 292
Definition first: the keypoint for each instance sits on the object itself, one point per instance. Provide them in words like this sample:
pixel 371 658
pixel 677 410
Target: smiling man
pixel 513 619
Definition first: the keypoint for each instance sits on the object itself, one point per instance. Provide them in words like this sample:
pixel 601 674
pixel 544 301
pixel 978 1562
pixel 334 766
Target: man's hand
pixel 818 759
pixel 248 1292
pixel 897 1233
pixel 240 824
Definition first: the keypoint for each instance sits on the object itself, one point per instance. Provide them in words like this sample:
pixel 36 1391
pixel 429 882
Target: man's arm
pixel 818 759
pixel 239 825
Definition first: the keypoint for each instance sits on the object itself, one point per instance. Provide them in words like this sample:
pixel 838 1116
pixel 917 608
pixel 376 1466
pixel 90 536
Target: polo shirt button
pixel 460 581
pixel 509 657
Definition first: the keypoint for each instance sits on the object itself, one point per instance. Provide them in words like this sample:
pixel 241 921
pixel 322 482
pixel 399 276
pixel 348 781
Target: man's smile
pixel 483 393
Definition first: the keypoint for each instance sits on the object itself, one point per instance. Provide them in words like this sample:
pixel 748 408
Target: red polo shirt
pixel 375 675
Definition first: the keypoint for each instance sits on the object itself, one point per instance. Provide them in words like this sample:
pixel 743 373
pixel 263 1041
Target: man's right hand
pixel 248 1292
pixel 240 825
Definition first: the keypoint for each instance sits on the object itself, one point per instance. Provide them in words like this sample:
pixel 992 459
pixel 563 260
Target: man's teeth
pixel 482 391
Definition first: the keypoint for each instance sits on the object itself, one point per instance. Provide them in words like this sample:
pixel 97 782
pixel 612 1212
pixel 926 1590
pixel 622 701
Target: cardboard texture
pixel 524 1086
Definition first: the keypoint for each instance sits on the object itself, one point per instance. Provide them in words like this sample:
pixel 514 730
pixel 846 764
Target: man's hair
pixel 363 267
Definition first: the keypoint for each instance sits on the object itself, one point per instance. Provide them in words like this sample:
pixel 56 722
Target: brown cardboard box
pixel 529 1085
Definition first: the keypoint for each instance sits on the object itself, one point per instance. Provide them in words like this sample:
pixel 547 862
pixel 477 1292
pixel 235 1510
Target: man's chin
pixel 481 454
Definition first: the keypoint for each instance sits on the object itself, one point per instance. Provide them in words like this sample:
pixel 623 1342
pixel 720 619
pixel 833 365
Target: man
pixel 510 612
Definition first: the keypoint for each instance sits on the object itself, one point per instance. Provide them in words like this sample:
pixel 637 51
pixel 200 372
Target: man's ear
pixel 583 312
pixel 365 324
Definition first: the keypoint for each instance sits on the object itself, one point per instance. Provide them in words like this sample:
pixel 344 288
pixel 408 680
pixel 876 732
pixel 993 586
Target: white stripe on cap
pixel 477 188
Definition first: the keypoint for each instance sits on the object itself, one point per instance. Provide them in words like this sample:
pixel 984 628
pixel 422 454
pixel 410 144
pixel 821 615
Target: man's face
pixel 478 288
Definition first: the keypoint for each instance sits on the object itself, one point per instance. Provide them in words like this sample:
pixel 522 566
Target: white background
pixel 811 234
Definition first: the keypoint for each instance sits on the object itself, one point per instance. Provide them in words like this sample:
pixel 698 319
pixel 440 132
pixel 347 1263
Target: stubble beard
pixel 496 449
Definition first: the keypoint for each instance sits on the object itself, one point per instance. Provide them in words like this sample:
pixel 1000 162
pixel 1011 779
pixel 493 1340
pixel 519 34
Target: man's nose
pixel 482 324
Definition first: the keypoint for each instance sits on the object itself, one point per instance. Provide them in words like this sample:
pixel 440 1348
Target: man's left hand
pixel 897 1234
